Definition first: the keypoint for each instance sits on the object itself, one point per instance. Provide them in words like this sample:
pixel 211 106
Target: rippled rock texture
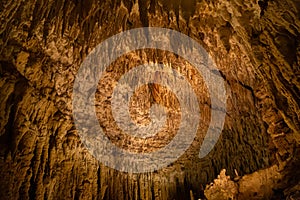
pixel 255 45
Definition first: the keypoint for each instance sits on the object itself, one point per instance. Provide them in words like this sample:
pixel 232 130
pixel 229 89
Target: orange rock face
pixel 255 46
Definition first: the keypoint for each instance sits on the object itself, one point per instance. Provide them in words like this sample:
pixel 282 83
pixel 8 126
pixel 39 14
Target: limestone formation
pixel 255 45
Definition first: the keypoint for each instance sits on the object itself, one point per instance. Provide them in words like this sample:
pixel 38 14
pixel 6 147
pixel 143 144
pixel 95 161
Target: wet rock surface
pixel 255 45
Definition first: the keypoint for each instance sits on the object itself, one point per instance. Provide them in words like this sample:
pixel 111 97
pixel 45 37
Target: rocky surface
pixel 255 45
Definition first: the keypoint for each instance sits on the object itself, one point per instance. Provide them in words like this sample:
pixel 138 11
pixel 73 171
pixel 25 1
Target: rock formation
pixel 255 45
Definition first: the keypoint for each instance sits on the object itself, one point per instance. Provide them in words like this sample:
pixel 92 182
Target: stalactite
pixel 42 45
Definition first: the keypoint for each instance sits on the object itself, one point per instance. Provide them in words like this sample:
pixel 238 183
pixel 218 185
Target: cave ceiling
pixel 256 50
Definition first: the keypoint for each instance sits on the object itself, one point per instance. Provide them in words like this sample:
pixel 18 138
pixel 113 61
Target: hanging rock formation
pixel 255 45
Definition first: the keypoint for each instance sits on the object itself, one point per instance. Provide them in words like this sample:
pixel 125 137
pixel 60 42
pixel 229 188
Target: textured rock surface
pixel 254 44
pixel 222 188
pixel 269 183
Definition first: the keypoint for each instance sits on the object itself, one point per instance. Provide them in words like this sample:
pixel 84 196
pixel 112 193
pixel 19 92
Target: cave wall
pixel 254 44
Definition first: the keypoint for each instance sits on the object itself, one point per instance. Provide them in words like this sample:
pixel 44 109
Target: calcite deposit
pixel 255 45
